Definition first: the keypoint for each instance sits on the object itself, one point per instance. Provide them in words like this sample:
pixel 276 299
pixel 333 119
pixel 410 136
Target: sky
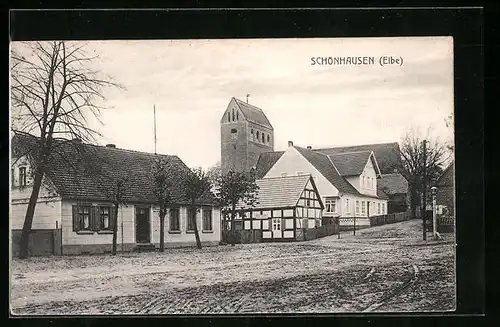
pixel 190 83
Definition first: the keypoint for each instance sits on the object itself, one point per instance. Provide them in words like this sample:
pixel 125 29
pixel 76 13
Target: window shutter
pixel 76 223
pixel 94 218
pixel 112 218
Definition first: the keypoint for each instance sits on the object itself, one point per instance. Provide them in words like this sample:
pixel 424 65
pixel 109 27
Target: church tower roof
pixel 252 113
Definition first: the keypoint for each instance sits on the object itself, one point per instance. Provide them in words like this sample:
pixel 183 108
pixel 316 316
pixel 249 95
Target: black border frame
pixel 464 24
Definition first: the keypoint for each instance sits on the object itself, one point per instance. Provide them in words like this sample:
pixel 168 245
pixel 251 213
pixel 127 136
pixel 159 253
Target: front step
pixel 146 247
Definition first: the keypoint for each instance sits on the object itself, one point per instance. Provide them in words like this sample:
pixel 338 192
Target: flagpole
pixel 154 115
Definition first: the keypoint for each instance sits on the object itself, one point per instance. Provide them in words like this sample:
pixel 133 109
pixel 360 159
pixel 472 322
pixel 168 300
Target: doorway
pixel 276 228
pixel 142 225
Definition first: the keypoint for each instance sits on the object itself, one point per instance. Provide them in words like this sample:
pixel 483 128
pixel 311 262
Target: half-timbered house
pixel 286 207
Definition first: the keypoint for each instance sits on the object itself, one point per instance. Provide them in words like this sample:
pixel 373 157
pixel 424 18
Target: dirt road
pixel 385 268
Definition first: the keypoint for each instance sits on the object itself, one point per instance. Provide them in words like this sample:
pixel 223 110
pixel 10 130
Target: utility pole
pixel 154 117
pixel 424 182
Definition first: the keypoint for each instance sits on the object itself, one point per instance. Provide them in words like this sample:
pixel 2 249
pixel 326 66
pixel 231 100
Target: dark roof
pixel 280 192
pixel 393 184
pixel 324 165
pixel 386 154
pixel 82 171
pixel 447 177
pixel 351 163
pixel 266 161
pixel 253 113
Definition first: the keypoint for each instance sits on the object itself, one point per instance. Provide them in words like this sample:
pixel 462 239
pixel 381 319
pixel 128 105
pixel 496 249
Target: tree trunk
pixel 196 234
pixel 413 201
pixel 28 220
pixel 233 214
pixel 162 230
pixel 115 229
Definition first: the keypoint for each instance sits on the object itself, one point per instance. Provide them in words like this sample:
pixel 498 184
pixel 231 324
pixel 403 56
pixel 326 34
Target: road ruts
pixel 389 294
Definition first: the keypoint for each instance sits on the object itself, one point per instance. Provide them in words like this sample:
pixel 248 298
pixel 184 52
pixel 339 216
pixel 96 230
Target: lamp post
pixel 435 234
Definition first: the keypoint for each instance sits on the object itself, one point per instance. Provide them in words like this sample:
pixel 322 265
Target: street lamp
pixel 434 209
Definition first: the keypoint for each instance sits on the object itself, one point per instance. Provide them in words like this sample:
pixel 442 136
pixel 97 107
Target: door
pixel 276 228
pixel 142 227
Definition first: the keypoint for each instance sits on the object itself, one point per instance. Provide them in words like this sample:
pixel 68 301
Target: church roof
pixel 252 113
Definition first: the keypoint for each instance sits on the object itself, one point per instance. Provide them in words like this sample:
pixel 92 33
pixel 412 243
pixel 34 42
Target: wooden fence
pixel 390 218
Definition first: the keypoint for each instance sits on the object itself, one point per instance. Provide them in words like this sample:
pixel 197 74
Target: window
pixel 232 117
pixel 84 217
pixel 237 115
pixel 277 224
pixel 331 205
pixel 383 208
pixel 378 208
pixel 12 179
pixel 207 219
pixel 191 219
pixel 308 198
pixel 251 133
pixel 357 206
pixel 347 208
pixel 174 220
pixel 105 218
pixel 22 176
pixel 363 181
pixel 268 139
pixel 263 139
pixel 363 207
pixel 257 134
pixel 234 133
pixel 228 116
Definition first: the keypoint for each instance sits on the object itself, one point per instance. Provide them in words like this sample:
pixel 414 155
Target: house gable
pixel 291 163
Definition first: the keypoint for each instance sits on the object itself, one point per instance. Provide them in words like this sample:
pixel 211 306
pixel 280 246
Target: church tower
pixel 245 134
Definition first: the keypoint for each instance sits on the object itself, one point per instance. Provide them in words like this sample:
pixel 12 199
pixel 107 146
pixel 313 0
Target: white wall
pixel 292 162
pixel 48 207
pixel 47 214
pixel 366 188
pixel 126 218
pixel 371 187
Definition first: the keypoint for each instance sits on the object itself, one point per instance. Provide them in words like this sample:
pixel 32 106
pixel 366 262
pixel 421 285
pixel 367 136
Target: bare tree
pixel 54 92
pixel 161 177
pixel 234 188
pixel 420 168
pixel 197 184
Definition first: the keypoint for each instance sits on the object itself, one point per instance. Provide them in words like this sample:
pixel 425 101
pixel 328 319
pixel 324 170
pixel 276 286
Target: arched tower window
pixel 237 115
pixel 257 135
pixel 233 115
pixel 228 116
pixel 263 139
pixel 251 133
pixel 268 139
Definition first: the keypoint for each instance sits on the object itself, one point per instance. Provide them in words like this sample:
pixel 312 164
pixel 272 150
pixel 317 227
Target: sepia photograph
pixel 232 176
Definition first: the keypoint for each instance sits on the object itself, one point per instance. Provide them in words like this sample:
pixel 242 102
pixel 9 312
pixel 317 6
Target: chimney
pixel 111 145
pixel 290 143
pixel 309 147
